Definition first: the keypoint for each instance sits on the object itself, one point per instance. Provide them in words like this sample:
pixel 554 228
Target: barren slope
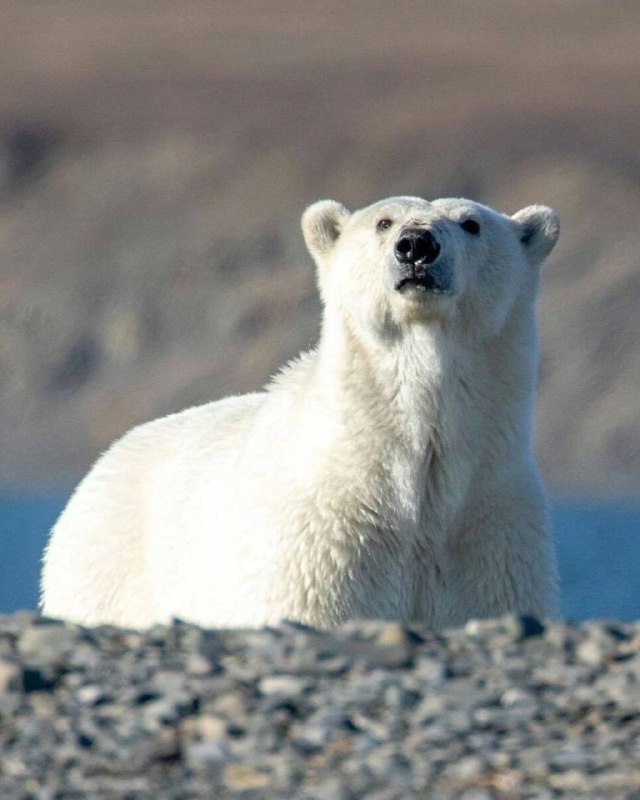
pixel 155 158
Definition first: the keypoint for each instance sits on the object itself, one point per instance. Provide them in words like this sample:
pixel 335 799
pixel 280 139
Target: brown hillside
pixel 155 158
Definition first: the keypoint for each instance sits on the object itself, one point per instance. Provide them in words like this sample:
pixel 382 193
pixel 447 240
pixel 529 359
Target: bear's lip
pixel 423 283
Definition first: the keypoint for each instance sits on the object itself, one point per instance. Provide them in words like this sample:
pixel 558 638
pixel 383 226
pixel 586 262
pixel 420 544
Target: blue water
pixel 598 548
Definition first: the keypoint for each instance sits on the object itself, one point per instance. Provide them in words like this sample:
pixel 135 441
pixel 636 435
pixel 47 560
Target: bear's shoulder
pixel 189 430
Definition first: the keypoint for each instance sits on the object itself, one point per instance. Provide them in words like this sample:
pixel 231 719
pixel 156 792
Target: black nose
pixel 416 246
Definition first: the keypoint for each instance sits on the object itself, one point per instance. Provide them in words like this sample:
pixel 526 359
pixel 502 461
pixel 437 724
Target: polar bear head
pixel 406 260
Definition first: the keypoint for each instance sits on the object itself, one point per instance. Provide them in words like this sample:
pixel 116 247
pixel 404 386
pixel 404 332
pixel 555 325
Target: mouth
pixel 419 283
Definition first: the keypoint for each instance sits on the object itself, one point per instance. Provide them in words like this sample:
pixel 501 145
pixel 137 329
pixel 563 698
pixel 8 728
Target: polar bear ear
pixel 538 229
pixel 322 224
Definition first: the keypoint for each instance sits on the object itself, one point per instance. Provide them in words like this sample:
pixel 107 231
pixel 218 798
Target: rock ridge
pixel 507 708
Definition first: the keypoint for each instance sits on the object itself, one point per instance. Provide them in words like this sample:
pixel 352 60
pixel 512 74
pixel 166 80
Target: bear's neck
pixel 373 386
pixel 429 400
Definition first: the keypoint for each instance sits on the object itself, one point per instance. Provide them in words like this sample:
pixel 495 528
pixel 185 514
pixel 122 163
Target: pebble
pixel 242 776
pixel 46 641
pixel 509 707
pixel 10 675
pixel 282 685
pixel 201 756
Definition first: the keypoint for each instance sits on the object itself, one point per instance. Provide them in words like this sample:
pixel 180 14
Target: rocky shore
pixel 506 709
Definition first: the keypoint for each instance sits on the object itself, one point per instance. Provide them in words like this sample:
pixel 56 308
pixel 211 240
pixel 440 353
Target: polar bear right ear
pixel 538 229
pixel 322 225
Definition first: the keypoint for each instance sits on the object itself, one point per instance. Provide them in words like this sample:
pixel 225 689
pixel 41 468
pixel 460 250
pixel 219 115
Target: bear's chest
pixel 343 560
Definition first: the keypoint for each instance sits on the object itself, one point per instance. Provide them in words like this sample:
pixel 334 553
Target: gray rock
pixel 46 641
pixel 10 675
pixel 282 685
pixel 399 713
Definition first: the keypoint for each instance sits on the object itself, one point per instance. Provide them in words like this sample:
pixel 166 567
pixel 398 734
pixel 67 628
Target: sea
pixel 597 543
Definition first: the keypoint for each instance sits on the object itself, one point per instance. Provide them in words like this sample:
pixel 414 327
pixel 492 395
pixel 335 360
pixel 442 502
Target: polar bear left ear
pixel 322 225
pixel 538 228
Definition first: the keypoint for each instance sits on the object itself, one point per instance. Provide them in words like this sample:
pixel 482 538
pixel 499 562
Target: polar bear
pixel 385 474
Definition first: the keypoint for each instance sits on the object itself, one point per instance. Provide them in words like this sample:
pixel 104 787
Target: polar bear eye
pixel 383 224
pixel 471 226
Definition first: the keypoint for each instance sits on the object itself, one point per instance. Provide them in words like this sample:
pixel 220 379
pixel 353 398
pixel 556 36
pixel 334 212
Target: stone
pixel 205 755
pixel 242 777
pixel 210 727
pixel 90 695
pixel 10 675
pixel 524 627
pixel 394 635
pixel 45 642
pixel 283 685
pixel 539 720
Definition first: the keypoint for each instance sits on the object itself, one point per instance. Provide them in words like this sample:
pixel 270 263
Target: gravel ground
pixel 500 709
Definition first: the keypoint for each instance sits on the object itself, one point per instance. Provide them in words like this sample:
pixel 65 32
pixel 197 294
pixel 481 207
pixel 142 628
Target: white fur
pixel 387 473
